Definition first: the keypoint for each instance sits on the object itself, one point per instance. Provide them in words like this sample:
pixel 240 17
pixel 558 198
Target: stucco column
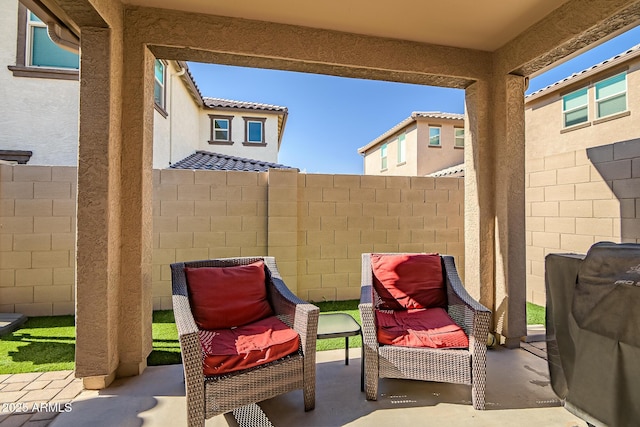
pixel 98 214
pixel 282 223
pixel 494 202
pixel 136 199
pixel 510 264
pixel 479 210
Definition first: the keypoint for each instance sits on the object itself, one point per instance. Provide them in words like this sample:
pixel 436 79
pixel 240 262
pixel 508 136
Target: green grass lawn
pixel 48 343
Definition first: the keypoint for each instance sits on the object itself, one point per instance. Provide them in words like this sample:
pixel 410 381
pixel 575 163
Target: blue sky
pixel 331 117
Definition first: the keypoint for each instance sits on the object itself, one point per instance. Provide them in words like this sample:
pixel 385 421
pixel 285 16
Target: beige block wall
pixel 575 199
pixel 37 239
pixel 327 220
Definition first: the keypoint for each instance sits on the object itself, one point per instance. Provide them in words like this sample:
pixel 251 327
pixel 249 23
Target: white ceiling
pixel 475 24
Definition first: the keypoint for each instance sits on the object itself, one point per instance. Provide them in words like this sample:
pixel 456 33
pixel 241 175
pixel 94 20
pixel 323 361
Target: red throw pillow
pixel 224 297
pixel 409 281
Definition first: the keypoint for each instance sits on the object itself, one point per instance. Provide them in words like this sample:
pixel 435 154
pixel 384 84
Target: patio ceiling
pixel 482 25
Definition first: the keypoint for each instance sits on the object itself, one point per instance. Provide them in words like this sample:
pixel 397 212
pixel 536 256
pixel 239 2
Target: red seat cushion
pixel 430 327
pixel 224 297
pixel 228 350
pixel 409 281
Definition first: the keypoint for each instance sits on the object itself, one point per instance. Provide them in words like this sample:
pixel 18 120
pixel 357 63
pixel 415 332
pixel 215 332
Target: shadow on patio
pixel 517 389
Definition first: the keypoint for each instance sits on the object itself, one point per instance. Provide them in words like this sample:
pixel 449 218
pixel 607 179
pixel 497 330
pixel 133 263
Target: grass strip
pixel 48 343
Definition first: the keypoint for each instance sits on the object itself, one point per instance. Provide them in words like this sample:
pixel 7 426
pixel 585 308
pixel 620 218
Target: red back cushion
pixel 409 281
pixel 224 297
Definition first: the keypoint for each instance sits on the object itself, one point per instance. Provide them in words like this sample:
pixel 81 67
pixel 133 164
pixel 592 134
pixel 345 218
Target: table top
pixel 337 325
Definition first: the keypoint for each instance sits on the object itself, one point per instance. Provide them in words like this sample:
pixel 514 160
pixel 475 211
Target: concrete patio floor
pixel 518 392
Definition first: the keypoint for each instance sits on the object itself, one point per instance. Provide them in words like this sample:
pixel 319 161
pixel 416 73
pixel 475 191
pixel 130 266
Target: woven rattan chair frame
pixel 210 396
pixel 461 366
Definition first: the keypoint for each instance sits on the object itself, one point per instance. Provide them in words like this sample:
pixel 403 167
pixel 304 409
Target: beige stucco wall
pixel 207 214
pixel 268 153
pixel 372 159
pixel 432 159
pixel 544 125
pixel 176 135
pixel 39 115
pixel 421 159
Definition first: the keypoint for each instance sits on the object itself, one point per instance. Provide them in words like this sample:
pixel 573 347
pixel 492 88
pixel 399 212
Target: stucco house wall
pixel 176 135
pixel 421 158
pixel 372 160
pixel 39 115
pixel 268 153
pixel 435 158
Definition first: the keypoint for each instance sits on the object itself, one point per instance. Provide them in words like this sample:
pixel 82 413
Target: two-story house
pixel 40 92
pixel 423 143
pixel 582 163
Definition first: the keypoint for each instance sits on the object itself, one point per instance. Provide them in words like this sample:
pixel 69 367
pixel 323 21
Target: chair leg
pixel 370 373
pixel 309 392
pixel 479 384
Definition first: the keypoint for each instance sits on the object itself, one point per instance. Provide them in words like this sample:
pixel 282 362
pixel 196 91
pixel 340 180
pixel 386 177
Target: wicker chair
pixel 210 396
pixel 462 366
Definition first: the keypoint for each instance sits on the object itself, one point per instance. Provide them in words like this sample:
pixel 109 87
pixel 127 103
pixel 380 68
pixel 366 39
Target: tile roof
pixel 412 118
pixel 453 171
pixel 614 60
pixel 205 160
pixel 241 105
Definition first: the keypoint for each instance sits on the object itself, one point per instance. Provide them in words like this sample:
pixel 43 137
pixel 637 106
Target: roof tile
pixel 205 160
pixel 241 105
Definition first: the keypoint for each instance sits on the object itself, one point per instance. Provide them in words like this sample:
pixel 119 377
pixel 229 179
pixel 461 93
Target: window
pixel 40 65
pixel 575 107
pixel 383 157
pixel 402 149
pixel 434 136
pixel 42 52
pixel 220 130
pixel 158 87
pixel 611 95
pixel 459 137
pixel 254 130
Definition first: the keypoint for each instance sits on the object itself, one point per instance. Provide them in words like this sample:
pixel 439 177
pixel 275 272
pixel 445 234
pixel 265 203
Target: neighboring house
pixel 421 144
pixel 591 108
pixel 582 163
pixel 40 92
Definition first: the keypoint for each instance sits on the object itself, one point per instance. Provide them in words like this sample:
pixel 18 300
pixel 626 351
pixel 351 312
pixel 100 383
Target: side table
pixel 337 325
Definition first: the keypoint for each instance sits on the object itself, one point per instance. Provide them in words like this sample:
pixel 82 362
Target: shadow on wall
pixel 619 166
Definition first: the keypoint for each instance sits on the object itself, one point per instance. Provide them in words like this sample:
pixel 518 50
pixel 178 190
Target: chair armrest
pixel 187 329
pixel 367 316
pixel 463 308
pixel 295 312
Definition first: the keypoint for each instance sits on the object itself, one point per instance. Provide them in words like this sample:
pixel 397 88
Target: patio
pixel 157 399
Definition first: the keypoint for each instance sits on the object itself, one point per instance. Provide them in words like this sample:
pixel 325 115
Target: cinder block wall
pixel 317 227
pixel 37 239
pixel 576 199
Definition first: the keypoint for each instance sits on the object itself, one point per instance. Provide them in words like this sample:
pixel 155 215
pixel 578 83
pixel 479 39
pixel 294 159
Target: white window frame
pixel 214 130
pixel 457 137
pixel 402 149
pixel 384 156
pixel 571 110
pixel 615 95
pixel 29 44
pixel 161 84
pixel 439 144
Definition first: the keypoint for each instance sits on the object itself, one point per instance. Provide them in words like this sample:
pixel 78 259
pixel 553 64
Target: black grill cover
pixel 593 332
